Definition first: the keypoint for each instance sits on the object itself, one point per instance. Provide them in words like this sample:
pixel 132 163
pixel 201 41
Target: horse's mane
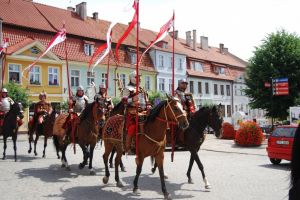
pixel 117 107
pixel 86 111
pixel 295 163
pixel 155 111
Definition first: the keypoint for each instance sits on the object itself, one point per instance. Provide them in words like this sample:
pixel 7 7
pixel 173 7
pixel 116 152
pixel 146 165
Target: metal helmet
pixel 42 94
pixel 132 77
pixel 102 86
pixel 80 88
pixel 183 80
pixel 4 90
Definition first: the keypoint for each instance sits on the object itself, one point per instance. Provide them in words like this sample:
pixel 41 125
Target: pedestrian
pixel 294 193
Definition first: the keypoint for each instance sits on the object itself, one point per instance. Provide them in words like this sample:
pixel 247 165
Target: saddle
pixel 142 120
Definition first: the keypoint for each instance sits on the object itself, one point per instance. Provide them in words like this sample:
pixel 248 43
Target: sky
pixel 241 25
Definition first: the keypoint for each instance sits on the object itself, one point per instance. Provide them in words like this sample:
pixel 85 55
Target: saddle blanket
pixel 113 128
pixel 58 125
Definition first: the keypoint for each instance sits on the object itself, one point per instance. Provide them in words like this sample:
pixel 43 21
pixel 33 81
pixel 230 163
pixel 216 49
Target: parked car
pixel 267 129
pixel 280 143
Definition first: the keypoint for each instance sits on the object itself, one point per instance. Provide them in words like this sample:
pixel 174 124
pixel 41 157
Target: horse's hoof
pixel 166 176
pixel 167 196
pixel 136 191
pixel 208 187
pixel 29 151
pixel 68 168
pixel 3 158
pixel 44 156
pixel 105 179
pixel 63 165
pixel 92 172
pixel 111 165
pixel 153 170
pixel 58 157
pixel 120 184
pixel 190 181
pixel 35 153
pixel 81 166
pixel 123 169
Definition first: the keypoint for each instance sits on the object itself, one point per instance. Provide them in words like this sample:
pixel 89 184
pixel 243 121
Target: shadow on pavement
pixel 20 158
pixel 283 166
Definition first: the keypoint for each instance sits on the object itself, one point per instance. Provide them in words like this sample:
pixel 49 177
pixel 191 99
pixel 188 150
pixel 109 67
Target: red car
pixel 280 143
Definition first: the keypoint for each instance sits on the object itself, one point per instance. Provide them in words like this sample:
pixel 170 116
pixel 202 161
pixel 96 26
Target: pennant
pixel 58 38
pixel 161 35
pixel 4 45
pixel 106 47
pixel 128 30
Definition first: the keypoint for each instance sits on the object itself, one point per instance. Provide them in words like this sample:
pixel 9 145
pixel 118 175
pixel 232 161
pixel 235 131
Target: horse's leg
pixel 153 163
pixel 108 148
pixel 117 163
pixel 188 173
pixel 138 173
pixel 4 146
pixel 64 158
pixel 45 146
pixel 200 166
pixel 35 141
pixel 111 165
pixel 85 156
pixel 30 138
pixel 123 169
pixel 92 171
pixel 14 137
pixel 159 160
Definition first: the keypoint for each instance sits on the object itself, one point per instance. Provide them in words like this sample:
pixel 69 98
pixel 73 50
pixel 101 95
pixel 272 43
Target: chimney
pixel 95 15
pixel 188 38
pixel 1 36
pixel 225 50
pixel 204 42
pixel 81 10
pixel 176 34
pixel 70 8
pixel 194 39
pixel 221 48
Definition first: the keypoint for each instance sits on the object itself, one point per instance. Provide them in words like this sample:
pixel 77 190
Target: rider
pixel 104 100
pixel 41 110
pixel 5 104
pixel 134 102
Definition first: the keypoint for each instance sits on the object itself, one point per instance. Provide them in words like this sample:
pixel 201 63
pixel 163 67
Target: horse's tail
pixel 55 141
pixel 295 164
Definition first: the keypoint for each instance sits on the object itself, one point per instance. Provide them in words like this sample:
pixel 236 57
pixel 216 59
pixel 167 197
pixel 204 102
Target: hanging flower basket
pixel 228 131
pixel 249 134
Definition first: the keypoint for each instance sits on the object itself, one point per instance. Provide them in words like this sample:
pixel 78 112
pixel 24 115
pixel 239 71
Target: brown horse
pixel 151 142
pixel 46 129
pixel 86 135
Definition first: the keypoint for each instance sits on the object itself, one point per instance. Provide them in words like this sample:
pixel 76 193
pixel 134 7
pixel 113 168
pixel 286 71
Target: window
pixel 147 83
pixel 53 76
pixel 171 62
pixel 14 73
pixel 132 58
pixel 220 70
pixel 88 49
pixel 34 75
pixel 180 64
pixel 223 110
pixel 222 89
pixel 161 61
pixel 199 88
pixel 196 66
pixel 228 90
pixel 191 86
pixel 161 84
pixel 228 110
pixel 235 90
pixel 75 78
pixel 241 90
pixel 215 89
pixel 123 79
pixel 170 85
pixel 103 78
pixel 206 88
pixel 90 78
pixel 242 107
pixel 236 108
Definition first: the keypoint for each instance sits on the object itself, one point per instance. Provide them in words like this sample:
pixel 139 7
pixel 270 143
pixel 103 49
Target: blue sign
pixel 280 80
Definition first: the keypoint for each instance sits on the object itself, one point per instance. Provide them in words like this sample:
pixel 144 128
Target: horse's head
pixel 97 110
pixel 215 119
pixel 175 112
pixel 17 109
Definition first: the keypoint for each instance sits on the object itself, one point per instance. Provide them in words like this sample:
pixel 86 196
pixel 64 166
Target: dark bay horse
pixel 294 192
pixel 194 136
pixel 151 142
pixel 46 129
pixel 86 135
pixel 10 126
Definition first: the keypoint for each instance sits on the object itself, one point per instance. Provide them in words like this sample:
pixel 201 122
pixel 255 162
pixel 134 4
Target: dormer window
pixel 34 50
pixel 220 70
pixel 197 66
pixel 162 44
pixel 88 49
pixel 132 56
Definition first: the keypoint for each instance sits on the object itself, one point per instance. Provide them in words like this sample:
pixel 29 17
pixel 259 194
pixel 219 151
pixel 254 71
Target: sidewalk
pixel 212 143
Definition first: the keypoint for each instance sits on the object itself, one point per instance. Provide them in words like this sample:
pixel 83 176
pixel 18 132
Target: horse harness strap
pixel 159 144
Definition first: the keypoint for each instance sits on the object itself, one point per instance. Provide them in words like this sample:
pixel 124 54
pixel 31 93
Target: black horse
pixel 194 136
pixel 294 192
pixel 10 126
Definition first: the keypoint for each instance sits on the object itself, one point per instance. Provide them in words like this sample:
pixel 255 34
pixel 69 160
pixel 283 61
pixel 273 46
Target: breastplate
pixel 79 105
pixel 5 107
pixel 142 101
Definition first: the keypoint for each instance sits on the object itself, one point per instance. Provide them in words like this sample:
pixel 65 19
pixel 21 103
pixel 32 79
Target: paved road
pixel 235 174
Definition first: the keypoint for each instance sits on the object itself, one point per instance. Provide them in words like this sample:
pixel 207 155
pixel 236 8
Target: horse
pixel 10 126
pixel 194 136
pixel 150 143
pixel 86 135
pixel 294 191
pixel 46 129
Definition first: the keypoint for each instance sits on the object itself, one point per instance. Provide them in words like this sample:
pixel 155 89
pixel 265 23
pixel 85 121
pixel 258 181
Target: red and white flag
pixel 100 51
pixel 161 35
pixel 58 38
pixel 4 45
pixel 128 30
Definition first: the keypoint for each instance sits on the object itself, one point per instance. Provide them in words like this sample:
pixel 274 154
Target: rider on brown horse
pixel 133 100
pixel 41 109
pixel 104 100
pixel 5 104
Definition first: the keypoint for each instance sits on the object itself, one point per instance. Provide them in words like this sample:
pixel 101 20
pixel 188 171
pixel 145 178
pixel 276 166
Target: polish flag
pixel 58 38
pixel 4 46
pixel 161 35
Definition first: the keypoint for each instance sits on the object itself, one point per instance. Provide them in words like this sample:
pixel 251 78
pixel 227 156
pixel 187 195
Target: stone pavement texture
pixel 235 173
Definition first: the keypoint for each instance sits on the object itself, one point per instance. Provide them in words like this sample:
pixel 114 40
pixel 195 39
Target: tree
pixel 277 57
pixel 18 94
